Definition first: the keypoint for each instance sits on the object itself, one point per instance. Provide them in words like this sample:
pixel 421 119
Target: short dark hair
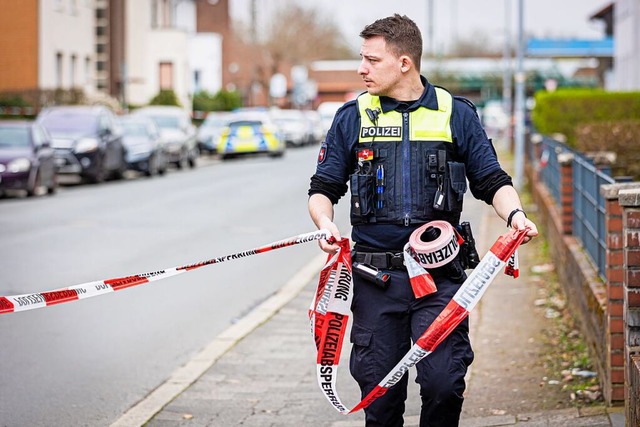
pixel 401 34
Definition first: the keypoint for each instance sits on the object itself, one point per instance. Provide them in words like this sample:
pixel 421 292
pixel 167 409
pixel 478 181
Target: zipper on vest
pixel 406 169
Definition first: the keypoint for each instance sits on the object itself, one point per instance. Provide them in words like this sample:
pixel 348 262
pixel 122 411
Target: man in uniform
pixel 407 149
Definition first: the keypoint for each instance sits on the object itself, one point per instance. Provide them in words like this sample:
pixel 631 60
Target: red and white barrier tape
pixel 432 245
pixel 329 314
pixel 15 303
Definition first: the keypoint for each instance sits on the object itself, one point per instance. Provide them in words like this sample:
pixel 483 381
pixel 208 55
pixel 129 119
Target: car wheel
pixel 99 175
pixel 192 162
pixel 122 168
pixel 31 189
pixel 54 185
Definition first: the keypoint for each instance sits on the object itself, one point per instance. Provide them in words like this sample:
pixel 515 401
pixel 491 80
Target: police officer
pixel 406 148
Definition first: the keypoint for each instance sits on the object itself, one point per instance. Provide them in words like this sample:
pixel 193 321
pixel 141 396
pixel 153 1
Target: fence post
pixel 565 160
pixel 613 387
pixel 629 199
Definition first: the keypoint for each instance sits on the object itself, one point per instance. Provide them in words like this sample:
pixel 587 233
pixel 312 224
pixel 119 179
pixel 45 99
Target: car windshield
pixel 167 122
pixel 212 122
pixel 134 129
pixel 245 123
pixel 14 137
pixel 70 123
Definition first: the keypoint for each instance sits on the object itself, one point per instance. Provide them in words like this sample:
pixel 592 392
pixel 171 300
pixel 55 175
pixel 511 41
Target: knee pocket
pixel 362 355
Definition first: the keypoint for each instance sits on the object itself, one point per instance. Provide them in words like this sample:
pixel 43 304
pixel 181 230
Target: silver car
pixel 177 132
pixel 210 131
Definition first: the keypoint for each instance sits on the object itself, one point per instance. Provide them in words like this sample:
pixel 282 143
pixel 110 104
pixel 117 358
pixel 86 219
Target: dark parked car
pixel 142 139
pixel 26 158
pixel 177 131
pixel 87 140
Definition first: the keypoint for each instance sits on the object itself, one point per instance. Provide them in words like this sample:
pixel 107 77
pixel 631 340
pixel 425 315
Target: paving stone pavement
pixel 263 374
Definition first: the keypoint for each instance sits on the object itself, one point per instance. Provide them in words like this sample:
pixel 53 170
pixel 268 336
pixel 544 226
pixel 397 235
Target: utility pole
pixel 520 91
pixel 430 21
pixel 507 74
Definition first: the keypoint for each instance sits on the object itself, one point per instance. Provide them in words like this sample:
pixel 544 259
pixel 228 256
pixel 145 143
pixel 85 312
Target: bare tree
pixel 300 35
pixel 478 45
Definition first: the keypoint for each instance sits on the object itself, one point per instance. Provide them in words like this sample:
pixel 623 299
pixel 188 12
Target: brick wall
pixel 615 274
pixel 609 313
pixel 585 292
pixel 19 45
pixel 629 199
pixel 632 409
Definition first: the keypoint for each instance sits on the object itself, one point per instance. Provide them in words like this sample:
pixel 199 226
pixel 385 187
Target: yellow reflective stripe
pixel 424 124
pixel 389 123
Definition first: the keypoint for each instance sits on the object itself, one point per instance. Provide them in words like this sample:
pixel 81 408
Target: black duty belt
pixel 381 260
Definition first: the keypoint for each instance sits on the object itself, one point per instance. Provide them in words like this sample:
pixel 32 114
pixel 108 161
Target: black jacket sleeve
pixel 485 188
pixel 333 190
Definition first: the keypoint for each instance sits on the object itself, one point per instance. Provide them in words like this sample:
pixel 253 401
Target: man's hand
pixel 519 222
pixel 325 245
pixel 321 211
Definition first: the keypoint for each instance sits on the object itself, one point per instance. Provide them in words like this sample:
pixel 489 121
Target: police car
pixel 250 132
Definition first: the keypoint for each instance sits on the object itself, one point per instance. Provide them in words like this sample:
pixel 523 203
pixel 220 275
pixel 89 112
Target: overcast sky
pixel 462 19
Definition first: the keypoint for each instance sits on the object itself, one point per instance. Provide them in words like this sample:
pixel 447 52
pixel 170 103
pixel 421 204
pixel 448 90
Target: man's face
pixel 380 69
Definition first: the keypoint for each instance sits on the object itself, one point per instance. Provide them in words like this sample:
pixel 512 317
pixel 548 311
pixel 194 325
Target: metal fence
pixel 550 167
pixel 589 209
pixel 588 204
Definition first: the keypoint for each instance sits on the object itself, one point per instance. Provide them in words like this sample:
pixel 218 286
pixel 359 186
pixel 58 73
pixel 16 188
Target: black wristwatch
pixel 513 212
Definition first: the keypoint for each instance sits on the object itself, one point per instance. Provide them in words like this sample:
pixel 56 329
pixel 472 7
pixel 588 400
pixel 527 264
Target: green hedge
pixel 621 137
pixel 563 110
pixel 221 101
pixel 165 97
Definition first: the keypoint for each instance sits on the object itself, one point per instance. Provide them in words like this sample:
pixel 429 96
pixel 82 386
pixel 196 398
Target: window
pixel 196 81
pixel 59 68
pixel 166 76
pixel 87 70
pixel 72 71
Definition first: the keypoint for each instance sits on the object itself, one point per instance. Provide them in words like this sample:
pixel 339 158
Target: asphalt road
pixel 84 363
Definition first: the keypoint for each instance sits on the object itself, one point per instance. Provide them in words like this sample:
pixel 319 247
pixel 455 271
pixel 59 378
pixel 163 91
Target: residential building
pixel 627 46
pixel 47 45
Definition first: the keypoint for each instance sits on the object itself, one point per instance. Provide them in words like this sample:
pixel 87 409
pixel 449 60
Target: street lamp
pixel 520 78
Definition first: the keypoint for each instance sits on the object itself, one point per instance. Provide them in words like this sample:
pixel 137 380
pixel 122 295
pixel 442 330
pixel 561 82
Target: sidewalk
pixel 261 372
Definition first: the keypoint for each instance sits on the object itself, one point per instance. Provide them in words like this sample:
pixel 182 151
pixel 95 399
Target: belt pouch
pixel 455 186
pixel 362 191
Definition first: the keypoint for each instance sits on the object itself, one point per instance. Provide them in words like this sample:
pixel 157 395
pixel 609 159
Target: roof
pixel 570 48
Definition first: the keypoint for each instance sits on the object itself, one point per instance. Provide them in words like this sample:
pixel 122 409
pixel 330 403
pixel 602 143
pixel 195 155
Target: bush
pixel 221 101
pixel 165 97
pixel 12 100
pixel 563 110
pixel 622 137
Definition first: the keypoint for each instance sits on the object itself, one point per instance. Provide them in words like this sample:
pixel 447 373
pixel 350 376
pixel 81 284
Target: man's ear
pixel 405 63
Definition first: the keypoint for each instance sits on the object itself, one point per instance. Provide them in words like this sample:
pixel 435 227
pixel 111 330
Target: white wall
pixel 67 28
pixel 627 45
pixel 146 48
pixel 205 57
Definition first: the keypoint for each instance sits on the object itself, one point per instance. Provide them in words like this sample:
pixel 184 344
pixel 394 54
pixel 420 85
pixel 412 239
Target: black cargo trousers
pixel 385 324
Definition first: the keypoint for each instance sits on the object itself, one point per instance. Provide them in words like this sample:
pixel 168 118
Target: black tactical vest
pixel 405 173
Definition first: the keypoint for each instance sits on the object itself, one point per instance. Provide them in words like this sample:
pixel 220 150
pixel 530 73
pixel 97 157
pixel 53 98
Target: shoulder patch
pixel 322 155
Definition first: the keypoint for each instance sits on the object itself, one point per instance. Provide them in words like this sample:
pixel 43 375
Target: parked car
pixel 87 141
pixel 145 152
pixel 327 111
pixel 210 131
pixel 27 160
pixel 314 122
pixel 177 132
pixel 251 132
pixel 293 126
